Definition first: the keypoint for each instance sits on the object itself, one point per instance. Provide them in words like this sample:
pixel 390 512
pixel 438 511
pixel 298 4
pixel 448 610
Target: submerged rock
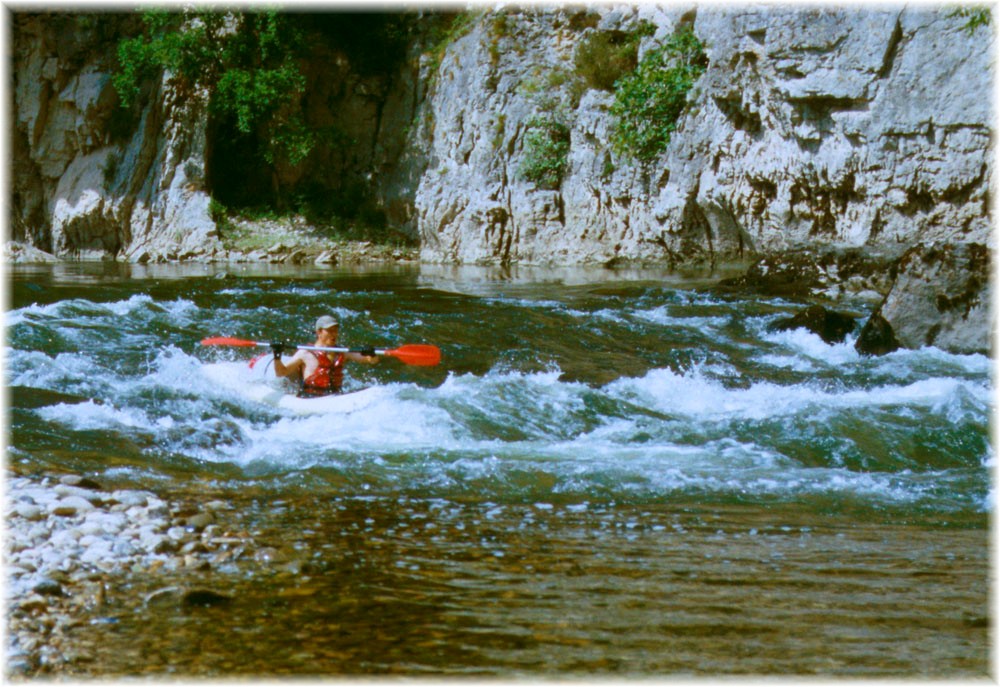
pixel 48 587
pixel 832 327
pixel 877 337
pixel 56 564
pixel 205 598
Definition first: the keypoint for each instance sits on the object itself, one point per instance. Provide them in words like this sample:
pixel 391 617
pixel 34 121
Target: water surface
pixel 610 473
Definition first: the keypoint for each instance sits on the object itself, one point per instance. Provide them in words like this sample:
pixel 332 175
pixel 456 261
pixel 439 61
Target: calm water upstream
pixel 608 475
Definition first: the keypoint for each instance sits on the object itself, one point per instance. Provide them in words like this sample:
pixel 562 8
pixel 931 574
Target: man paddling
pixel 319 373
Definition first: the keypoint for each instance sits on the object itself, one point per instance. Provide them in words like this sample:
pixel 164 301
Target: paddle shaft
pixel 410 354
pixel 339 349
pixel 232 341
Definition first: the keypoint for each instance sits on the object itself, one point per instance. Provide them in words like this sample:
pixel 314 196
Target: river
pixel 610 474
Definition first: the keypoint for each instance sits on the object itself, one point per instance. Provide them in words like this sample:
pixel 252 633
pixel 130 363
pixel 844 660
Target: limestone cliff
pixel 77 191
pixel 849 127
pixel 91 179
pixel 860 128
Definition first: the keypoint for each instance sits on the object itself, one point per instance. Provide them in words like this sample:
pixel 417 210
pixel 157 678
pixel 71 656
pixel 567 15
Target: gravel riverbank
pixel 290 240
pixel 68 539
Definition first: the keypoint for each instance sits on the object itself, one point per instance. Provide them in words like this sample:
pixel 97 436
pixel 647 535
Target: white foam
pixel 661 315
pixel 693 394
pixel 805 345
pixel 75 309
pixel 509 429
pixel 89 415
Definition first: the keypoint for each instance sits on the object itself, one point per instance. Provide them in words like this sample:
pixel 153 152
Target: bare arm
pixel 294 367
pixel 361 358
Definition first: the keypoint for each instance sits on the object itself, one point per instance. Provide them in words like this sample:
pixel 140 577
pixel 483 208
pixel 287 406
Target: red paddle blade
pixel 227 341
pixel 416 354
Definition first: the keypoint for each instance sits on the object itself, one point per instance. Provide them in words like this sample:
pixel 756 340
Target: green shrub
pixel 445 32
pixel 546 148
pixel 605 56
pixel 251 72
pixel 650 100
pixel 217 211
pixel 976 16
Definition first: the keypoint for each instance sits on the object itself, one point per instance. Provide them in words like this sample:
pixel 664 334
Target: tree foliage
pixel 247 60
pixel 650 100
pixel 546 149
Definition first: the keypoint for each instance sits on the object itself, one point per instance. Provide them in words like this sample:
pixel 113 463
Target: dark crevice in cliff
pixel 891 50
pixel 360 97
pixel 695 227
pixel 234 174
pixel 497 234
pixel 962 194
pixel 819 107
pixel 918 200
pixel 824 203
pixel 759 200
pixel 738 115
pixel 878 224
pixel 374 43
pixel 27 217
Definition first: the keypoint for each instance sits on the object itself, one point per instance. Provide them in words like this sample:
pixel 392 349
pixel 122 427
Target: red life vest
pixel 327 378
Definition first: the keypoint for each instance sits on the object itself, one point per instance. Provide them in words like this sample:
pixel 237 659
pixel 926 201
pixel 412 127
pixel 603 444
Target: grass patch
pixel 252 229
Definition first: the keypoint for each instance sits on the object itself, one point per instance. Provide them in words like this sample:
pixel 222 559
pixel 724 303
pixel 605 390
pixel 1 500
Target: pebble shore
pixel 67 537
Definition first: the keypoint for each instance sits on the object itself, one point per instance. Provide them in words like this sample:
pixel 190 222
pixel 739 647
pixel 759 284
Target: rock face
pixel 942 297
pixel 92 180
pixel 850 127
pixel 79 192
pixel 811 130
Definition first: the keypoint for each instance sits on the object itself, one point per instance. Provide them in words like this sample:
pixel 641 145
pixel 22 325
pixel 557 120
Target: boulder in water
pixel 832 327
pixel 877 337
pixel 941 297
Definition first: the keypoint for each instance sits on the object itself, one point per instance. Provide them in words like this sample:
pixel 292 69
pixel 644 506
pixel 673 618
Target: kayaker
pixel 320 372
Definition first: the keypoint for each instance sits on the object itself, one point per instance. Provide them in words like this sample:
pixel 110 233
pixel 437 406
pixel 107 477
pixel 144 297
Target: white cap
pixel 325 322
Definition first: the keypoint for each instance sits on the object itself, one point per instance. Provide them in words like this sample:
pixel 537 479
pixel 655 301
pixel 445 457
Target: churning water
pixel 605 475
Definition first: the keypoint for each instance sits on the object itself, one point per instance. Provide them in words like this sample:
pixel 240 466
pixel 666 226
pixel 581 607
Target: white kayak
pixel 259 384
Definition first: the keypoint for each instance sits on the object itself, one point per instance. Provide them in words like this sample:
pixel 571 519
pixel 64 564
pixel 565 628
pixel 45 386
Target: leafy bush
pixel 217 211
pixel 246 60
pixel 546 148
pixel 650 100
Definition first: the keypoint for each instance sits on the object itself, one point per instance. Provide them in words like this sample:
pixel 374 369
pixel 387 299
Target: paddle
pixel 411 354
